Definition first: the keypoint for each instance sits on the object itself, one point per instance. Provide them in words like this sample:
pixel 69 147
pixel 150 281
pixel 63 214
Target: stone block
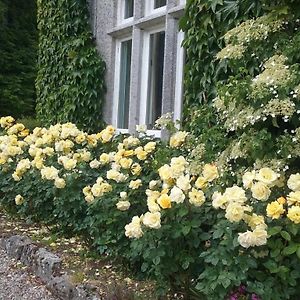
pixel 15 245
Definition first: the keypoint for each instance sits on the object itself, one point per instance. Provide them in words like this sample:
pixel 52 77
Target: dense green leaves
pixel 70 83
pixel 18 55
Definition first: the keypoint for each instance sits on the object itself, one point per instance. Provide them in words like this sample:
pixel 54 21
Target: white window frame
pixel 120 13
pixel 115 108
pixel 180 56
pixel 145 77
pixel 149 8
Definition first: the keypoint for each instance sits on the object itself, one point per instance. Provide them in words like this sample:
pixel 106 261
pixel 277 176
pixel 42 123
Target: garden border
pixel 47 266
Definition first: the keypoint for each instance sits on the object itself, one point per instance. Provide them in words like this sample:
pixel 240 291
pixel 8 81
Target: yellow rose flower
pixel 123 205
pixel 165 172
pixel 275 210
pixel 80 138
pixel 135 184
pixel 260 191
pixel 293 198
pixel 294 214
pixel 150 147
pixel 164 201
pixel 267 176
pixel 59 183
pixel 201 183
pixel 294 182
pixel 210 172
pixel 133 229
pixel 128 153
pixel 234 212
pixel 140 153
pixel 19 200
pixel 125 163
pixel 196 197
pixel 152 220
pixel 136 169
pixel 177 139
pixel 104 158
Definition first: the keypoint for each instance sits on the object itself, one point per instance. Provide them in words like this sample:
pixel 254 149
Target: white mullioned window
pixel 152 76
pixel 153 6
pixel 125 11
pixel 122 84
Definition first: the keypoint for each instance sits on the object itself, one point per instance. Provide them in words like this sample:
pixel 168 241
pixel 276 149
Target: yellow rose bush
pixel 142 199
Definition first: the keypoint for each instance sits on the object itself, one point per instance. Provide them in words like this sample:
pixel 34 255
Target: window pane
pixel 155 83
pixel 128 11
pixel 159 3
pixel 124 88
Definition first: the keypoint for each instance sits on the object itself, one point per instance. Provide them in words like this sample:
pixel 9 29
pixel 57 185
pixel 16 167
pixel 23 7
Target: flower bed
pixel 143 200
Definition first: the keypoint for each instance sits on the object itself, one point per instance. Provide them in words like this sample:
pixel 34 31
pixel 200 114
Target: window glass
pixel 128 9
pixel 155 78
pixel 159 3
pixel 124 85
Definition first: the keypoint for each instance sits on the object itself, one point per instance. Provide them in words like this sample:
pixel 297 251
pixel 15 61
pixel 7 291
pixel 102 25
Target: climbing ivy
pixel 70 82
pixel 205 22
pixel 18 54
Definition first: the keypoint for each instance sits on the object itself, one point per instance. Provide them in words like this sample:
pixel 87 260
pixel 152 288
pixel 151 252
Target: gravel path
pixel 17 284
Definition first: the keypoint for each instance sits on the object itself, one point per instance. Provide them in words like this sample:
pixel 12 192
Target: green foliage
pixel 70 81
pixel 18 55
pixel 205 24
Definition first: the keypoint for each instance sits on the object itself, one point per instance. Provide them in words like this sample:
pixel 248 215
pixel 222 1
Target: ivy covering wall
pixel 18 54
pixel 70 82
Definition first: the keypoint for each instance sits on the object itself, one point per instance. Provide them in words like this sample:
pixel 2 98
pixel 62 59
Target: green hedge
pixel 70 82
pixel 18 55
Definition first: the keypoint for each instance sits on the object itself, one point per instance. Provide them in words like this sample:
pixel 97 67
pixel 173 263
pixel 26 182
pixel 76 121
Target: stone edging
pixel 47 266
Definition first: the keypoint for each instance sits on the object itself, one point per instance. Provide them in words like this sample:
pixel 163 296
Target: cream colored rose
pixel 125 163
pixel 267 176
pixel 260 191
pixel 294 214
pixel 245 239
pixel 150 147
pixel 177 139
pixel 234 212
pixel 95 164
pixel 178 166
pixel 294 182
pixel 257 237
pixel 201 183
pixel 183 182
pixel 248 178
pixel 49 173
pixel 60 183
pixel 136 169
pixel 135 184
pixel 19 200
pixel 152 220
pixel 152 205
pixel 133 229
pixel 293 198
pixel 165 172
pixel 153 184
pixel 210 172
pixel 123 195
pixel 140 153
pixel 177 195
pixel 235 194
pixel 219 200
pixel 104 158
pixel 123 205
pixel 196 197
pixel 254 221
pixel 275 210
